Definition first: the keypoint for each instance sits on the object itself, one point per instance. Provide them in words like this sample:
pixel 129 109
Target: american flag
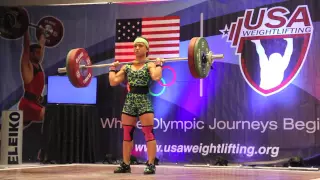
pixel 163 34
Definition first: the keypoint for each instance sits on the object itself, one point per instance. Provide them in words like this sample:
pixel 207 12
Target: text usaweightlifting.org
pixel 205 150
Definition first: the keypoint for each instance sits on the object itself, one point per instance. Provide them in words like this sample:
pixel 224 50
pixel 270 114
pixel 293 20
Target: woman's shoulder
pixel 150 64
pixel 126 67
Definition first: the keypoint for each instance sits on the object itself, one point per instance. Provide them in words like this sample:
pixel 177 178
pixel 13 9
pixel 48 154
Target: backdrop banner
pixel 259 103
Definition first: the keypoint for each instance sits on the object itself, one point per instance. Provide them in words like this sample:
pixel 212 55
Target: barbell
pixel 14 22
pixel 79 66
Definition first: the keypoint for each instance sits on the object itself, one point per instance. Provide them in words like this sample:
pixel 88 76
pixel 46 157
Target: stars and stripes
pixel 163 34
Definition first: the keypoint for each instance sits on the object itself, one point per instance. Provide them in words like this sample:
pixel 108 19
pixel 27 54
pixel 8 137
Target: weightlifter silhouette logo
pixel 272 48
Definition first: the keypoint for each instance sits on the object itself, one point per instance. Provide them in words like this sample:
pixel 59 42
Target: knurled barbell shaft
pixel 64 70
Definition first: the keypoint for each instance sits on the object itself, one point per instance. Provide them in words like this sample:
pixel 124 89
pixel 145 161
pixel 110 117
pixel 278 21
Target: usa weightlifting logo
pixel 272 47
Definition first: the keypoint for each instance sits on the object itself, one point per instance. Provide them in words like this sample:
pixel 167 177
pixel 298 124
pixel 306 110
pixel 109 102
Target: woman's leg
pixel 146 116
pixel 128 126
pixel 147 122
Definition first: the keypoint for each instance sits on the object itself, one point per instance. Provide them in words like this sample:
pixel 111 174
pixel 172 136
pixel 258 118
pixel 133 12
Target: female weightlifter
pixel 137 103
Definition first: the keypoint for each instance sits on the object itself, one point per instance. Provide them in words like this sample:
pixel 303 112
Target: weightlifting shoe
pixel 124 168
pixel 150 169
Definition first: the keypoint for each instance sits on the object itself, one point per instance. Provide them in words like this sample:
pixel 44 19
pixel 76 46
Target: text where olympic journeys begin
pixel 286 124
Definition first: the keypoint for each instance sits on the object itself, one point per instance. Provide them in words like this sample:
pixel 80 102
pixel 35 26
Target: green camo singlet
pixel 137 104
pixel 139 77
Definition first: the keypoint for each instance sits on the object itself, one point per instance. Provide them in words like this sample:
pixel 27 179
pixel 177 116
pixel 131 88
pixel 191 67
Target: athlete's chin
pixel 139 55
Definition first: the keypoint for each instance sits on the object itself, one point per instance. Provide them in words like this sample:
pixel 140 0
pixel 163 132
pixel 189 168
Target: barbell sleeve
pixel 62 70
pixel 217 56
pixel 33 25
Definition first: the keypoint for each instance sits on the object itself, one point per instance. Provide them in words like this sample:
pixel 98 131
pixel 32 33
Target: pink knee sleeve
pixel 128 132
pixel 148 133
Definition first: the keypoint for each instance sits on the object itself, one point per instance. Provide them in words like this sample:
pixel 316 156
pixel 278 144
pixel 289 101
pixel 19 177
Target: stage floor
pixel 101 171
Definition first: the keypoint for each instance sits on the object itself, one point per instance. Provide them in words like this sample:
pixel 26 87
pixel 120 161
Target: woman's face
pixel 140 49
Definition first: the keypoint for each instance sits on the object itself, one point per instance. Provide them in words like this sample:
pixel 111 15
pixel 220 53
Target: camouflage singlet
pixel 137 104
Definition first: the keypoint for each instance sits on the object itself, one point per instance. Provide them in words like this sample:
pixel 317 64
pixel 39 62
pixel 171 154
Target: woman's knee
pixel 147 121
pixel 128 126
